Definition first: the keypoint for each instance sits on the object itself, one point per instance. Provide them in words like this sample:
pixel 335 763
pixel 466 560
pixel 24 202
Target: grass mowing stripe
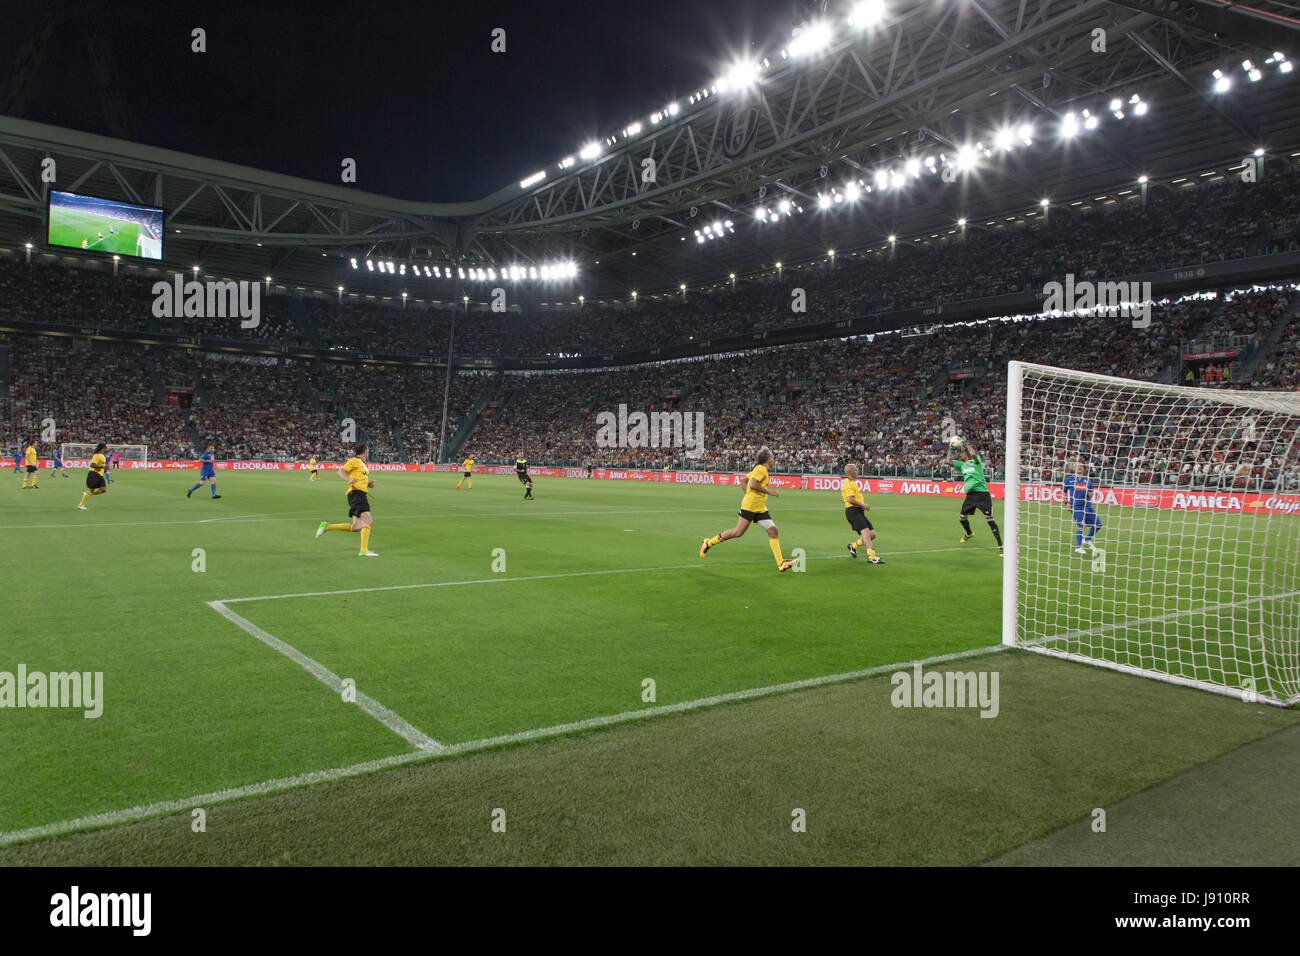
pixel 267 787
pixel 394 722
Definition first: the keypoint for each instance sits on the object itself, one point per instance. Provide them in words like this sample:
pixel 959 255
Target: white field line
pixel 281 784
pixel 411 734
pixel 548 577
pixel 1101 629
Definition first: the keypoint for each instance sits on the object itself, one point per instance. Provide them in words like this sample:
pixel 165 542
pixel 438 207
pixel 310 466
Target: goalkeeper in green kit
pixel 977 497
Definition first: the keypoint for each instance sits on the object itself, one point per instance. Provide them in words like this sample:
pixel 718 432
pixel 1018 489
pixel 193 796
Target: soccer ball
pixel 955 441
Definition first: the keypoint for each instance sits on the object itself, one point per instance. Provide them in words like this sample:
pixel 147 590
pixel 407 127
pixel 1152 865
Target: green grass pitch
pixel 69 227
pixel 602 589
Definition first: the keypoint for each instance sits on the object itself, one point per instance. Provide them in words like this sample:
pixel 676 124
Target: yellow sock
pixel 458 484
pixel 365 538
pixel 871 552
pixel 716 539
pixel 83 499
pixel 471 484
pixel 775 544
pixel 24 481
pixel 855 545
pixel 338 527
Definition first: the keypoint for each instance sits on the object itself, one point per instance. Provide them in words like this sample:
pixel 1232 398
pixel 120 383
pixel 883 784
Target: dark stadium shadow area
pixel 1239 810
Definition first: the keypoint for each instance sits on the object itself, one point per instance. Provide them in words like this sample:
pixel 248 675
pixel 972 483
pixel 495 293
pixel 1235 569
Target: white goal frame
pixel 1285 692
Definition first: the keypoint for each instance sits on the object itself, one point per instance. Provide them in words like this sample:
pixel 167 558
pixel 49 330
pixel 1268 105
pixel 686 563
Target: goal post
pixel 1175 552
pixel 78 451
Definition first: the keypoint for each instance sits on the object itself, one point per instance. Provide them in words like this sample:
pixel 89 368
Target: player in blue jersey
pixel 57 464
pixel 1078 488
pixel 18 460
pixel 207 471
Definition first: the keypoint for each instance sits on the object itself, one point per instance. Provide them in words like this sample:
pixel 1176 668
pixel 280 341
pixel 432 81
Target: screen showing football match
pixel 105 225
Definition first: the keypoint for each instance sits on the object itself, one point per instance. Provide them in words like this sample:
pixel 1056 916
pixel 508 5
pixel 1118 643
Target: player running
pixel 18 459
pixel 96 484
pixel 58 464
pixel 753 507
pixel 31 464
pixel 311 466
pixel 469 473
pixel 354 472
pixel 521 470
pixel 977 498
pixel 855 509
pixel 1078 490
pixel 207 472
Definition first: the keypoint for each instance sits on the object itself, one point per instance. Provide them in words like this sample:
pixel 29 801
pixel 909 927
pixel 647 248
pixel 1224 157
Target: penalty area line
pixel 545 577
pixel 283 784
pixel 393 721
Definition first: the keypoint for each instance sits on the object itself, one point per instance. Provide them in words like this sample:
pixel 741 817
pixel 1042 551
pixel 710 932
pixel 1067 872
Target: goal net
pixel 77 451
pixel 1155 529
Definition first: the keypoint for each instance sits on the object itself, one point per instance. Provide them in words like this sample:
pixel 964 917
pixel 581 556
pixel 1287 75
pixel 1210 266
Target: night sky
pixel 410 90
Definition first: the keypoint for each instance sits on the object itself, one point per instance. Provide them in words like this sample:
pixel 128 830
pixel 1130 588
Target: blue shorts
pixel 206 473
pixel 1087 517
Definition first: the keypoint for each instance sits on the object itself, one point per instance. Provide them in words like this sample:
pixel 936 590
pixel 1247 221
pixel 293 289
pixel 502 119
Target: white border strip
pixel 281 784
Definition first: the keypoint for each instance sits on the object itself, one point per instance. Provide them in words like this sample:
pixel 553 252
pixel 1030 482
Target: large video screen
pixel 105 225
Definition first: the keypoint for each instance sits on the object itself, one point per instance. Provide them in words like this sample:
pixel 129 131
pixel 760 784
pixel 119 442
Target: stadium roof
pixel 913 116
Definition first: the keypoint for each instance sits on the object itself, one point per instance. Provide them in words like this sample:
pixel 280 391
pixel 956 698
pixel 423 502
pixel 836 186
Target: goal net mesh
pixel 77 451
pixel 1184 564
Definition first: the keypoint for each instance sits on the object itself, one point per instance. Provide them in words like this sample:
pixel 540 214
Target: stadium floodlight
pixel 810 39
pixel 532 180
pixel 370 265
pixel 1143 180
pixel 354 262
pixel 1125 603
pixel 402 268
pixel 1141 108
pixel 1255 75
pixel 1116 105
pixel 1026 133
pixel 1222 83
pixel 784 206
pixel 852 192
pixel 673 109
pixel 1004 139
pixel 1089 121
pixel 892 237
pixel 1284 66
pixel 882 179
pixel 913 167
pixel 966 158
pixel 823 201
pixel 632 130
pixel 867 13
pixel 1044 202
pixel 567 161
pixel 739 76
pixel 590 151
pixel 1069 126
pixel 1259 151
pixel 961 221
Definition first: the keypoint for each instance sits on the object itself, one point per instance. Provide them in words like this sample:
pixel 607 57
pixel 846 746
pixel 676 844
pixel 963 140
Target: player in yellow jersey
pixel 354 472
pixel 855 509
pixel 31 463
pixel 753 507
pixel 96 484
pixel 469 473
pixel 311 466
